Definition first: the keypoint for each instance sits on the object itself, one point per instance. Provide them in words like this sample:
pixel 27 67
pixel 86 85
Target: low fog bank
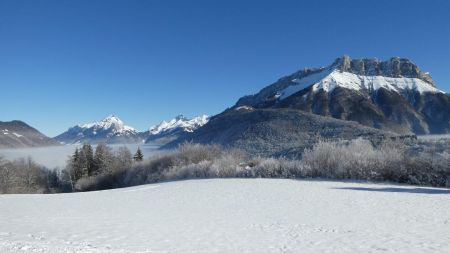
pixel 56 156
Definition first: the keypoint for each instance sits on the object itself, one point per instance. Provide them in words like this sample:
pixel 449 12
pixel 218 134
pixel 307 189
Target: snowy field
pixel 231 215
pixel 56 156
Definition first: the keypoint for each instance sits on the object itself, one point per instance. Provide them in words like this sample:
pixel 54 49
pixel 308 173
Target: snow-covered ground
pixel 231 215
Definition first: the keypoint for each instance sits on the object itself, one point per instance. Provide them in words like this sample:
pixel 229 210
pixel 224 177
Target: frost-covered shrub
pixel 356 159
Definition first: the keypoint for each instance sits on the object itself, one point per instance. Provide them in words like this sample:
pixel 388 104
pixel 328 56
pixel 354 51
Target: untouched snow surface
pixel 231 215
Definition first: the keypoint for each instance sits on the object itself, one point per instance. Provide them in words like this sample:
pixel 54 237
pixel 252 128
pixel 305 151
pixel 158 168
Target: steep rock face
pixel 17 134
pixel 395 67
pixel 110 130
pixel 393 95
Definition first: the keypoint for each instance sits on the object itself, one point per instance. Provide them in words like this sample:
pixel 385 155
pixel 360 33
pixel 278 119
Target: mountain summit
pixel 395 67
pixel 109 130
pixel 393 95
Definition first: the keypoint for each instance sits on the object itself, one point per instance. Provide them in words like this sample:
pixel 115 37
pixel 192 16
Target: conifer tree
pixel 87 160
pixel 75 167
pixel 138 157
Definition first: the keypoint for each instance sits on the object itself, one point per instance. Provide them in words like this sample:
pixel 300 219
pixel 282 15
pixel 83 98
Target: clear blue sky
pixel 68 62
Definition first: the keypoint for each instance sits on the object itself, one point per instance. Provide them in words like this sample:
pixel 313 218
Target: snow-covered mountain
pixel 18 134
pixel 172 129
pixel 393 95
pixel 109 130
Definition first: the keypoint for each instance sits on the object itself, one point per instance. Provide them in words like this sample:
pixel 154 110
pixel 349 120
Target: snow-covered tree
pixel 124 158
pixel 103 159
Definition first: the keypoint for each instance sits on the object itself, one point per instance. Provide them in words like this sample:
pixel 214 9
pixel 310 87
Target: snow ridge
pixel 109 130
pixel 111 123
pixel 328 80
pixel 179 122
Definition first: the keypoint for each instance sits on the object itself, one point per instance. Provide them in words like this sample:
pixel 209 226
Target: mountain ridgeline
pixel 113 130
pixel 167 131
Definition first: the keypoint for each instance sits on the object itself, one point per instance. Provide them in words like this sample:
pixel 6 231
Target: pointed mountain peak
pixel 113 119
pixel 110 130
pixel 110 122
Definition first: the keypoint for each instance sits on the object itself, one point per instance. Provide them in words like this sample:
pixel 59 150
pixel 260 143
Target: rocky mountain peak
pixel 394 67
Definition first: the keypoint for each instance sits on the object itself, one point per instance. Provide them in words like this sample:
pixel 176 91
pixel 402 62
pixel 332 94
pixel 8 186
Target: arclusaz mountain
pixel 18 134
pixel 393 95
pixel 167 131
pixel 110 130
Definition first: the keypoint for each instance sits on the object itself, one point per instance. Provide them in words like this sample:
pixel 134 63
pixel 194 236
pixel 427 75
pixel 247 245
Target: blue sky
pixel 68 62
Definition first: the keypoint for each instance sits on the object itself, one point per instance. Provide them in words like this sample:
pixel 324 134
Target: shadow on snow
pixel 397 189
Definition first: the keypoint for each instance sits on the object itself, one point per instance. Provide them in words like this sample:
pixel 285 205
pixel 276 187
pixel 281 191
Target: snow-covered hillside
pixel 230 215
pixel 110 130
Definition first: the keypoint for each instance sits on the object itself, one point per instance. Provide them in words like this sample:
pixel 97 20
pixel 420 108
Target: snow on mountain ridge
pixel 110 130
pixel 328 80
pixel 188 125
pixel 111 122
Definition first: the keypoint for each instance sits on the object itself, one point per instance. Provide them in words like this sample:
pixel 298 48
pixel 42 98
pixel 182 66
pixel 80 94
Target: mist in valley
pixel 56 156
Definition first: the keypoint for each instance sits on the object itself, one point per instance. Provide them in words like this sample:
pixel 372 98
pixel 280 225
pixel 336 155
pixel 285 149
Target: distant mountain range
pixel 112 130
pixel 167 131
pixel 17 134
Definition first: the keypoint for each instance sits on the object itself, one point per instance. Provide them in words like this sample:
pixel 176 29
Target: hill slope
pixel 230 215
pixel 274 131
pixel 17 134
